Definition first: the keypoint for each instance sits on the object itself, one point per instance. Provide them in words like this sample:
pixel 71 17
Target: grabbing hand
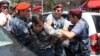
pixel 59 32
pixel 63 37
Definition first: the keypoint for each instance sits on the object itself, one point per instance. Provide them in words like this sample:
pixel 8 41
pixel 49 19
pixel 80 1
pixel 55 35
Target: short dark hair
pixel 57 5
pixel 36 18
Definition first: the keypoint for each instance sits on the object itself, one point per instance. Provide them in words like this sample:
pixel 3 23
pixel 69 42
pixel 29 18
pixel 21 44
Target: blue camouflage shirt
pixel 20 29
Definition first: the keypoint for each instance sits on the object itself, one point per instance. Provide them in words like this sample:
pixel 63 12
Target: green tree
pixel 14 1
pixel 48 4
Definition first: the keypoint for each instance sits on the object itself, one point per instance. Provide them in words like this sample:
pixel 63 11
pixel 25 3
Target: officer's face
pixel 38 27
pixel 72 19
pixel 26 12
pixel 39 11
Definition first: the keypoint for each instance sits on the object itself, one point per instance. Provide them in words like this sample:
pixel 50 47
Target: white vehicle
pixel 93 20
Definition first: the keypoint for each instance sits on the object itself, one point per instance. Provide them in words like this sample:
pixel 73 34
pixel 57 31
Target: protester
pixel 57 22
pixel 41 35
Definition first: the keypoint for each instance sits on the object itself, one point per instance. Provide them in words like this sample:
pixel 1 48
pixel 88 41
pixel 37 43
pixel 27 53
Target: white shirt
pixel 3 19
pixel 66 22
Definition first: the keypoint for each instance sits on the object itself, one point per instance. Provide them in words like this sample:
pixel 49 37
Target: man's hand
pixel 63 36
pixel 59 33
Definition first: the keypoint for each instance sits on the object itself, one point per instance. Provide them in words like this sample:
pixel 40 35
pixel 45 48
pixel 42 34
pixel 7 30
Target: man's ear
pixel 32 25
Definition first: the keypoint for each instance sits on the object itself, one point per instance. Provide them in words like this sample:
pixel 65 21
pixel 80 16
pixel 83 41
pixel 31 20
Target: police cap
pixel 22 6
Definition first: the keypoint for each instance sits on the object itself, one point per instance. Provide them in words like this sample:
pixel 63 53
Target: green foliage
pixel 14 1
pixel 48 4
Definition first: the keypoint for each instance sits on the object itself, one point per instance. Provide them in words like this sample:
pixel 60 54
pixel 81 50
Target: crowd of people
pixel 45 37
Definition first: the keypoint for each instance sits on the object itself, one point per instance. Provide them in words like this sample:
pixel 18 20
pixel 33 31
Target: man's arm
pixel 66 25
pixel 51 31
pixel 75 31
pixel 67 34
pixel 49 20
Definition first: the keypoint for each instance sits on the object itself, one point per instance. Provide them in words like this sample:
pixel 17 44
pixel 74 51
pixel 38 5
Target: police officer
pixel 19 22
pixel 79 40
pixel 37 9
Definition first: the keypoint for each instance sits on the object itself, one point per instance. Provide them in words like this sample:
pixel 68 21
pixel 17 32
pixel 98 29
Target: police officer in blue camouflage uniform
pixel 19 21
pixel 78 36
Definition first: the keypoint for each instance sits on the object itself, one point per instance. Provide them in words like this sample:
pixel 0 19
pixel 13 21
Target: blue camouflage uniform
pixel 20 30
pixel 80 44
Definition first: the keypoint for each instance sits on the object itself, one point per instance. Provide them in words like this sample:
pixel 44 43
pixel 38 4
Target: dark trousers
pixel 58 50
pixel 77 49
pixel 44 52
